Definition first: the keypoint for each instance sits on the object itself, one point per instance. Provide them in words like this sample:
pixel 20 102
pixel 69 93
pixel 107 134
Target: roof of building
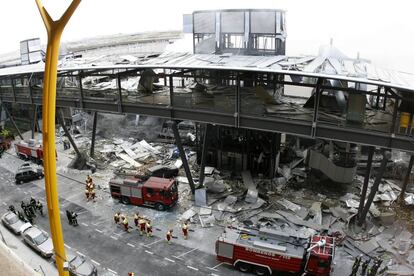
pixel 328 64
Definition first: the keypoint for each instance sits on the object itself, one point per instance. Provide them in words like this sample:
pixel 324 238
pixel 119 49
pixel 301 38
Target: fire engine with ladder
pixel 265 251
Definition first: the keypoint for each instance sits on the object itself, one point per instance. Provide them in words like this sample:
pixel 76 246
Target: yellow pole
pixel 54 31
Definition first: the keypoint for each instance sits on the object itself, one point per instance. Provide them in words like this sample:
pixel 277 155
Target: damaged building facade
pixel 263 125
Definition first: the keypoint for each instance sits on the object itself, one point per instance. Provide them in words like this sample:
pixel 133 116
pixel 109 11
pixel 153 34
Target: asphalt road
pixel 104 243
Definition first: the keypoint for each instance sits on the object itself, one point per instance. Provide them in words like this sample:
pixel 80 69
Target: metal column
pixel 183 156
pixel 203 155
pixel 95 121
pixel 34 121
pixel 62 123
pixel 316 99
pixel 406 178
pixel 366 182
pixel 12 121
pixel 386 155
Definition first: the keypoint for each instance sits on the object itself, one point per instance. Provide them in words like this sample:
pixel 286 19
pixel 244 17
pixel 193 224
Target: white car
pixel 39 240
pixel 11 221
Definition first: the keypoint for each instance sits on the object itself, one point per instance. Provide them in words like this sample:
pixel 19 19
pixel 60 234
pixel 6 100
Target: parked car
pixel 78 265
pixel 11 221
pixel 163 171
pixel 39 240
pixel 28 174
pixel 24 166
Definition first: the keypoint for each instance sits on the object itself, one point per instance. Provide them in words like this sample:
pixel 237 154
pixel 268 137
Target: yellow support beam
pixel 54 32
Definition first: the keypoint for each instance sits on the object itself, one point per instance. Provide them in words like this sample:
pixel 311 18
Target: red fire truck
pixel 160 193
pixel 30 150
pixel 265 251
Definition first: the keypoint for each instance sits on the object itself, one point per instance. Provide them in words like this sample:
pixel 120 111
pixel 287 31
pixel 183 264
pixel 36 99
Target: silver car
pixel 39 240
pixel 78 265
pixel 11 221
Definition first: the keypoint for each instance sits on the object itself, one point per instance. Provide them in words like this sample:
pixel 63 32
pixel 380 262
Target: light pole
pixel 54 32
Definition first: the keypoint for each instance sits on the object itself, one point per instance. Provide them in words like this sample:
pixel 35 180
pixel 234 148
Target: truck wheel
pixel 159 206
pixel 21 182
pixel 125 200
pixel 243 267
pixel 261 271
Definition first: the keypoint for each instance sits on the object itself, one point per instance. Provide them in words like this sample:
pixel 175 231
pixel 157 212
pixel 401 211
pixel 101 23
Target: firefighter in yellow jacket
pixel 149 228
pixel 142 224
pixel 184 227
pixel 125 223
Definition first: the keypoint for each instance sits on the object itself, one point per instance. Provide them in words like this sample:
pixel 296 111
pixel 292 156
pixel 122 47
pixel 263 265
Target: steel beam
pixel 95 121
pixel 203 154
pixel 366 182
pixel 406 178
pixel 12 121
pixel 119 93
pixel 183 156
pixel 62 123
pixel 316 98
pixel 386 155
pixel 34 120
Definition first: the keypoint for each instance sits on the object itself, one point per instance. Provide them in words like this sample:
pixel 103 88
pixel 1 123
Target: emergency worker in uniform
pixel 142 223
pixel 125 223
pixel 169 236
pixel 39 206
pixel 136 218
pixel 184 227
pixel 116 217
pixel 149 228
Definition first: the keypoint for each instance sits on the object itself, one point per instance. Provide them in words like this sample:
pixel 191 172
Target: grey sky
pixel 379 30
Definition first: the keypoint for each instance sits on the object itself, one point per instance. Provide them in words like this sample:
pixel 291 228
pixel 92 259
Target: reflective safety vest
pixel 125 220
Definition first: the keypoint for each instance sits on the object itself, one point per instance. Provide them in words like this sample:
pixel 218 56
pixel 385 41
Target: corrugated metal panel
pixel 232 22
pixel 205 22
pixel 354 71
pixel 263 22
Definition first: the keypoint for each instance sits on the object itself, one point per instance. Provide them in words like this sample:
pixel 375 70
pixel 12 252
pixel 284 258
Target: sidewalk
pixel 11 264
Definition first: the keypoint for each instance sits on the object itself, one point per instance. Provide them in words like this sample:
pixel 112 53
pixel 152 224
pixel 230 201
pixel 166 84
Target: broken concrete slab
pixel 205 211
pixel 129 160
pixel 289 205
pixel 315 212
pixel 339 212
pixel 251 196
pixel 208 170
pixel 215 186
pixel 369 246
pixel 296 220
pixel 200 197
pixel 188 214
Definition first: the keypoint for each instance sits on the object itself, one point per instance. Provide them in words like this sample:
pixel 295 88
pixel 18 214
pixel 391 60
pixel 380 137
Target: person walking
pixel 184 228
pixel 136 219
pixel 142 224
pixel 149 228
pixel 169 236
pixel 125 223
pixel 39 207
pixel 116 217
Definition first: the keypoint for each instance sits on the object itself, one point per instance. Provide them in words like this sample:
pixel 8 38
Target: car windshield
pixel 41 238
pixel 12 219
pixel 77 261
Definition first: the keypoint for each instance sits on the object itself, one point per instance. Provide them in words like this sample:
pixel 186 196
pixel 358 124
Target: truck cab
pixel 320 254
pixel 160 193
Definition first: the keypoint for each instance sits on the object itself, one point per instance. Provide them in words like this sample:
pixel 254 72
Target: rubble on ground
pixel 292 202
